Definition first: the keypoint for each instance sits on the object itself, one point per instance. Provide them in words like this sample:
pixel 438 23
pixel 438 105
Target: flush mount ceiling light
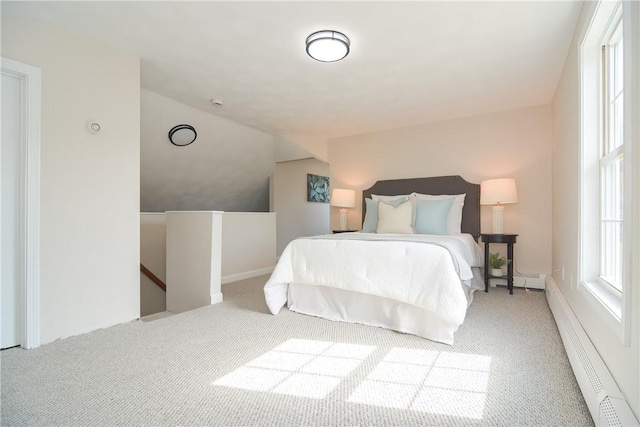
pixel 327 46
pixel 182 135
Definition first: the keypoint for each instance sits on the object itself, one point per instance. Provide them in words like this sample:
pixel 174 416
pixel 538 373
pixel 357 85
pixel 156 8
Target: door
pixel 10 210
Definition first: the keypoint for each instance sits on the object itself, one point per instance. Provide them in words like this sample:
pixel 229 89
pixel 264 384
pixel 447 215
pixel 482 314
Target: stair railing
pixel 155 279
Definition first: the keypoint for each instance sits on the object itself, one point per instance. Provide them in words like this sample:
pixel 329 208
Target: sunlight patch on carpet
pixel 436 382
pixel 428 381
pixel 304 368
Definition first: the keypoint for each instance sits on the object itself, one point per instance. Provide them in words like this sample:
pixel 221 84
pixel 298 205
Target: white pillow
pixel 395 219
pixel 387 198
pixel 410 197
pixel 454 219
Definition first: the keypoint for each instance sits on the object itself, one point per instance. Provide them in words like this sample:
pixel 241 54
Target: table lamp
pixel 498 192
pixel 343 199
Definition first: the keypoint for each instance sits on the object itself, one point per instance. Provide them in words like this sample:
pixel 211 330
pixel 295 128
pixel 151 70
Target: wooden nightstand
pixel 344 231
pixel 510 240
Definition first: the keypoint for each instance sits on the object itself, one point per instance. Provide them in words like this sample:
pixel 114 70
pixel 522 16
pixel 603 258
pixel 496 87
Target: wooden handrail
pixel 155 279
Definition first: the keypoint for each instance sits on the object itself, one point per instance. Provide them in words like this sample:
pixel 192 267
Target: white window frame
pixel 609 156
pixel 612 306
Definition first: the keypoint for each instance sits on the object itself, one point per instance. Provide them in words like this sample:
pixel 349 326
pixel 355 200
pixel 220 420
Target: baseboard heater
pixel 606 403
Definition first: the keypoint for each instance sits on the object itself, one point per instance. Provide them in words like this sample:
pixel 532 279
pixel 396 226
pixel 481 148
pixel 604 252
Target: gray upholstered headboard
pixel 436 185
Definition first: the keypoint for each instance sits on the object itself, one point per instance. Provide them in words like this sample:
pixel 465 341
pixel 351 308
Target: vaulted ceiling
pixel 410 62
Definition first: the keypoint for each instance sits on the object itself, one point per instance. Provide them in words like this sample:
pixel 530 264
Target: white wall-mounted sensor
pixel 217 102
pixel 94 127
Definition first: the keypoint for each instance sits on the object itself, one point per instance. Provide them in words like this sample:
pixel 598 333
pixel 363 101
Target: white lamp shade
pixel 498 192
pixel 343 198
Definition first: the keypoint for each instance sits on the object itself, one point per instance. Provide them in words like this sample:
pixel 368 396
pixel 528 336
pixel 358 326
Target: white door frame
pixel 29 235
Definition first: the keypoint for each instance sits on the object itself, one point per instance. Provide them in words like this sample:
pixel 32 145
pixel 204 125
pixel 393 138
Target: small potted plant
pixel 496 262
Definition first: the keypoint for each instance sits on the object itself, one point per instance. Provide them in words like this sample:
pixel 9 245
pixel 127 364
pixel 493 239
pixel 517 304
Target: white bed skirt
pixel 347 306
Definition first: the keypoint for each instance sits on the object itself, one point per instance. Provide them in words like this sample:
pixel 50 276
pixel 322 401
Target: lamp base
pixel 498 219
pixel 343 218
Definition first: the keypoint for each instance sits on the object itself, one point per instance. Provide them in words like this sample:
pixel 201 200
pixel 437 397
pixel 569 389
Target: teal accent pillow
pixel 370 224
pixel 432 216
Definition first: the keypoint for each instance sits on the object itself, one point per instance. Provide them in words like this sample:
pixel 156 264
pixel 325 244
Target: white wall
pixel 623 361
pixel 285 150
pixel 295 216
pixel 153 255
pixel 227 168
pixel 248 245
pixel 511 144
pixel 314 144
pixel 248 249
pixel 194 254
pixel 89 183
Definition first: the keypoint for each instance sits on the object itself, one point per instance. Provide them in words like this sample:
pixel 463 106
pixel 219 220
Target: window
pixel 612 161
pixel 605 166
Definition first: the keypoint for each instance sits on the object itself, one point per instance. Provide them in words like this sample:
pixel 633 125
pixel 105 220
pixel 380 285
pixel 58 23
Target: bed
pixel 413 268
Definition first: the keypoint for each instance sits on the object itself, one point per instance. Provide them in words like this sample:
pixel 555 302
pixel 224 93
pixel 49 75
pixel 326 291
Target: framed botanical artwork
pixel 317 188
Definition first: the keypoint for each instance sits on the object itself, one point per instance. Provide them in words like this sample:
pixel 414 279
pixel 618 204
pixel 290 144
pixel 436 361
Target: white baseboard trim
pixel 604 399
pixel 246 275
pixel 216 298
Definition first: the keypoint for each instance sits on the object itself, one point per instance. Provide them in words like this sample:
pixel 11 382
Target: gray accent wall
pixel 296 217
pixel 227 168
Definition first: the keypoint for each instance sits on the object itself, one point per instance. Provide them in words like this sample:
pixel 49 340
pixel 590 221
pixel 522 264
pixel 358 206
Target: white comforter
pixel 423 270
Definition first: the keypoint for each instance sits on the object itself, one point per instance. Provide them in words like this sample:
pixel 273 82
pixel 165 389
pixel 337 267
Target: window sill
pixel 611 302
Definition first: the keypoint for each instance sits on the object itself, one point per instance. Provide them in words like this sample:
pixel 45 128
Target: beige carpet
pixel 235 364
